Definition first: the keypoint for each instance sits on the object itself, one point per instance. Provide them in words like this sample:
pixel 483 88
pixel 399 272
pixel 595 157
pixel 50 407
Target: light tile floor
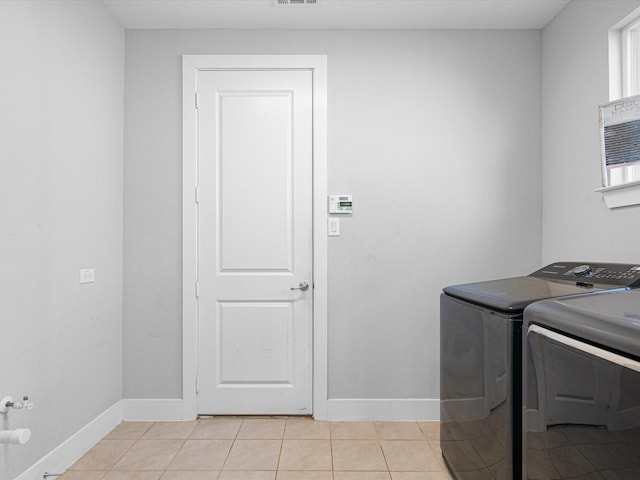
pixel 273 448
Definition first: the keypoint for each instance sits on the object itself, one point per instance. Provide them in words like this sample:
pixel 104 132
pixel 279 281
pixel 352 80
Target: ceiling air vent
pixel 282 3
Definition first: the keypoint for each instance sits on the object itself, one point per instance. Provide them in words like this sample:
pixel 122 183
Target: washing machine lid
pixel 608 319
pixel 514 294
pixel 557 279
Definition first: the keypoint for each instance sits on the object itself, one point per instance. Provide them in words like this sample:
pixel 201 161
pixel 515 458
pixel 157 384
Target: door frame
pixel 191 65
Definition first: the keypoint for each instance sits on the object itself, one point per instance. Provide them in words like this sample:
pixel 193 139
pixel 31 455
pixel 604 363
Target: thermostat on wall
pixel 340 204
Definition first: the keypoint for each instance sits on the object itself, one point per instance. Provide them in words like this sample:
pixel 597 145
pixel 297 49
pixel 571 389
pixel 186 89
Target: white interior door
pixel 254 150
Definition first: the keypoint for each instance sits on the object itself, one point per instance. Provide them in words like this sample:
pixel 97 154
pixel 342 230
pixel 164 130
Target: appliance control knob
pixel 581 270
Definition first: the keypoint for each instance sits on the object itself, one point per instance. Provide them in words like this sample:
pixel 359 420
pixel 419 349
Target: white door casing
pixel 249 288
pixel 254 242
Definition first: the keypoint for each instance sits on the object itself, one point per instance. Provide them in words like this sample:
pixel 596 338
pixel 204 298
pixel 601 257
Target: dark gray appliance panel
pixel 481 361
pixel 583 410
pixel 477 401
pixel 514 294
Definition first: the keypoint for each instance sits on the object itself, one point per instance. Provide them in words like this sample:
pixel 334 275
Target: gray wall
pixel 435 133
pixel 61 129
pixel 577 224
pixel 437 136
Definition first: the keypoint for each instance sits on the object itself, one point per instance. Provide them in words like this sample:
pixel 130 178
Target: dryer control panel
pixel 612 274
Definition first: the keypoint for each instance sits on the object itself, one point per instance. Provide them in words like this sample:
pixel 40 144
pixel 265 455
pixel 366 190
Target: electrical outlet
pixel 87 275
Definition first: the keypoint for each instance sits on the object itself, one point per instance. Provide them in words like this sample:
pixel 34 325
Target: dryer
pixel 582 390
pixel 481 367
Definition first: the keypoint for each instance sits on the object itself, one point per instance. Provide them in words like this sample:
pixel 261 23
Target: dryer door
pixel 588 409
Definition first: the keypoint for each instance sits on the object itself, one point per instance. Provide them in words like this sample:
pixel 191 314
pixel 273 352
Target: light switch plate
pixel 333 227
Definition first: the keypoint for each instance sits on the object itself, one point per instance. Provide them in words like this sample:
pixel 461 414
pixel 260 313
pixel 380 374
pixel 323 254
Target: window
pixel 620 119
pixel 630 45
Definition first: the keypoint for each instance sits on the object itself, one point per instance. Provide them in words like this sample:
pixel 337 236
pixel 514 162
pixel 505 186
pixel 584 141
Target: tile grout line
pixel 233 442
pixel 184 441
pixel 386 462
pixel 333 467
pixel 281 446
pixel 135 441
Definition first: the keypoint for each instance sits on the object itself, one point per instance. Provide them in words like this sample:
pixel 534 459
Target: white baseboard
pixel 153 410
pixel 390 409
pixel 427 409
pixel 65 454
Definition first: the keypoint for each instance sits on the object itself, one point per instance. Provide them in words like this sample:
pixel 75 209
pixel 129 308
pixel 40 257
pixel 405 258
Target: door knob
pixel 304 286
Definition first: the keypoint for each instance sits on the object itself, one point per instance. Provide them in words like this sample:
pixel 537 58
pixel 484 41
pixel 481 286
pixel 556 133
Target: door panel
pixel 254 343
pixel 254 242
pixel 255 157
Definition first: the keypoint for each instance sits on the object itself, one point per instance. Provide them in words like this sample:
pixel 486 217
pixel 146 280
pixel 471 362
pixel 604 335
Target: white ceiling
pixel 337 14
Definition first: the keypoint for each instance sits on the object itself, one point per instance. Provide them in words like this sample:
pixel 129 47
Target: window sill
pixel 621 195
